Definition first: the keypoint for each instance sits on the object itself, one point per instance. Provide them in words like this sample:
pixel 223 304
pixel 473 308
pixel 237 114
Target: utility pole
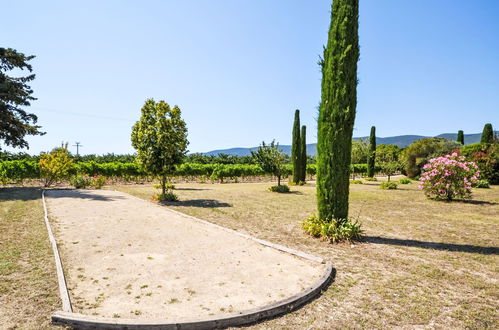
pixel 77 145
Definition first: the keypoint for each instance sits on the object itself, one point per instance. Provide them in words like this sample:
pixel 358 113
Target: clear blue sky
pixel 239 68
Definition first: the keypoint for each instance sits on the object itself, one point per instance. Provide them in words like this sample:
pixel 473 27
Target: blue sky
pixel 239 68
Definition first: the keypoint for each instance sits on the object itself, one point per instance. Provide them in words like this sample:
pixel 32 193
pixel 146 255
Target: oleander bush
pixel 79 181
pixel 482 184
pixel 98 181
pixel 449 177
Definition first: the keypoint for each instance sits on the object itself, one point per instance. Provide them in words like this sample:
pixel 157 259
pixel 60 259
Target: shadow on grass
pixel 194 189
pixel 20 193
pixel 206 203
pixel 488 250
pixel 473 202
pixel 77 193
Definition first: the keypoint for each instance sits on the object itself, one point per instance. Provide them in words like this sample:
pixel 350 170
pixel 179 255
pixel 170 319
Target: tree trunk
pixel 279 180
pixel 163 185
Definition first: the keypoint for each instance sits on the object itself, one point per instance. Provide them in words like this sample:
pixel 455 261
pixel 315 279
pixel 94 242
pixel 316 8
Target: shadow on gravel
pixel 208 203
pixel 488 250
pixel 76 193
pixel 20 193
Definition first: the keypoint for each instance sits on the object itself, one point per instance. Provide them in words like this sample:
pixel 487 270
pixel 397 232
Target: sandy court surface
pixel 129 258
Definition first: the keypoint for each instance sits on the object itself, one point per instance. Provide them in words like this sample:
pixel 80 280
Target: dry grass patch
pixel 424 263
pixel 28 283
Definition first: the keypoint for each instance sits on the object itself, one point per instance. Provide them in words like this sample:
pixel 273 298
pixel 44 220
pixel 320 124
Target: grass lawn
pixel 424 263
pixel 28 284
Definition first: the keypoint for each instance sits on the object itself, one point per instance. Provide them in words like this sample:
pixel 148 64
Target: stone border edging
pixel 82 321
pixel 63 290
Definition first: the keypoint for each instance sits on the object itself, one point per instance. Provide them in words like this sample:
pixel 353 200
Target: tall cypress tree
pixel 295 149
pixel 303 149
pixel 460 137
pixel 337 111
pixel 372 153
pixel 487 134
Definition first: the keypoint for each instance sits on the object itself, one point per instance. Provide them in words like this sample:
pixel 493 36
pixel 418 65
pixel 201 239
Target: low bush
pixel 334 231
pixel 79 181
pixel 388 185
pixel 168 196
pixel 280 188
pixel 370 179
pixel 356 182
pixel 482 184
pixel 97 181
pixel 405 181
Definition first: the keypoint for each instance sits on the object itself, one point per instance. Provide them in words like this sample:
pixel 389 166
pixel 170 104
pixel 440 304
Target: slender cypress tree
pixel 460 137
pixel 487 134
pixel 303 149
pixel 295 148
pixel 372 153
pixel 337 111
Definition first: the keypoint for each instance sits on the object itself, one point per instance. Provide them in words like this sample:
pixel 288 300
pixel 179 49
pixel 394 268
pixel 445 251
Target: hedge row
pixel 18 170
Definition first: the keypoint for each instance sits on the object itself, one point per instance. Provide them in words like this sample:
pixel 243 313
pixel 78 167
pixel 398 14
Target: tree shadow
pixel 474 202
pixel 487 250
pixel 193 189
pixel 20 193
pixel 205 203
pixel 294 192
pixel 77 193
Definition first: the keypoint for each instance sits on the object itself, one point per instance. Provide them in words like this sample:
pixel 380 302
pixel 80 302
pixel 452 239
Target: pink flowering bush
pixel 449 177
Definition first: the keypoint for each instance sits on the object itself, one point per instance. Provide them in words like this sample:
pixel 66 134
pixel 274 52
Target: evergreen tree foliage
pixel 16 123
pixel 303 149
pixel 160 138
pixel 295 149
pixel 337 111
pixel 460 137
pixel 487 134
pixel 372 153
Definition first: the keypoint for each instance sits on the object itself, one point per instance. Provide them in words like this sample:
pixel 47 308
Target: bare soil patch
pixel 125 257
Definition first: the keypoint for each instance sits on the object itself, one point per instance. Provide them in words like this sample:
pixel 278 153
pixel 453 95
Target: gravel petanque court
pixel 128 258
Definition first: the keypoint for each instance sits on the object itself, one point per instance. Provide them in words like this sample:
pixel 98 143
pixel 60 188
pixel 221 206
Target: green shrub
pixel 97 181
pixel 335 231
pixel 168 196
pixel 55 165
pixel 405 181
pixel 356 182
pixel 482 184
pixel 388 185
pixel 279 188
pixel 79 181
pixel 370 179
pixel 415 156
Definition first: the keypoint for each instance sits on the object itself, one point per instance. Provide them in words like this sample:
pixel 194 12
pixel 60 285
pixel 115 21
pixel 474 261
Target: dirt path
pixel 125 257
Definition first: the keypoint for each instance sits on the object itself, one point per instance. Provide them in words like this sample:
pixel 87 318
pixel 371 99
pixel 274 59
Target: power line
pixel 77 145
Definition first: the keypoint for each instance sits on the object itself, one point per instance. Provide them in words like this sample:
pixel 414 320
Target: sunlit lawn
pixel 424 263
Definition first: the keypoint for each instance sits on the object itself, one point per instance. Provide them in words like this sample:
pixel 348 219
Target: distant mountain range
pixel 401 140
